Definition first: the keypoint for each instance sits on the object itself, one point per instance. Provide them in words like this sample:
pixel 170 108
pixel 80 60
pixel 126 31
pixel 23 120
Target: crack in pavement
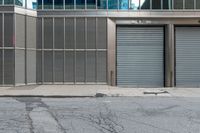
pixel 32 106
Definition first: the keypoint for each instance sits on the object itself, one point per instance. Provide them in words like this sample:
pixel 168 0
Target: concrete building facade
pixel 131 43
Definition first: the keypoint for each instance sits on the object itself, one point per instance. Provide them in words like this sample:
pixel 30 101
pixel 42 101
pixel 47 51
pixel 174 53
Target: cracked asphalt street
pixel 100 115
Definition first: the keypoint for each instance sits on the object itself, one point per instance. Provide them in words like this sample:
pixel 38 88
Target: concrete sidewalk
pixel 94 90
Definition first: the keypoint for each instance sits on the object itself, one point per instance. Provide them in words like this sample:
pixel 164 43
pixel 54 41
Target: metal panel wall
pixel 1 30
pixel 31 32
pixel 31 66
pixel 8 30
pixel 1 67
pixel 20 31
pixel 75 57
pixel 9 67
pixel 140 56
pixel 188 56
pixel 39 67
pixel 19 66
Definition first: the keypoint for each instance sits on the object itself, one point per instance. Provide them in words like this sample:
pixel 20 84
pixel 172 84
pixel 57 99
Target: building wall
pixel 72 50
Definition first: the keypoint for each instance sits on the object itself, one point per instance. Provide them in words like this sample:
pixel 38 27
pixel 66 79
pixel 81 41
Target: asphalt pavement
pixel 100 115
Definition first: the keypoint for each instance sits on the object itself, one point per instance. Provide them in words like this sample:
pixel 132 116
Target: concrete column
pixel 111 37
pixel 169 56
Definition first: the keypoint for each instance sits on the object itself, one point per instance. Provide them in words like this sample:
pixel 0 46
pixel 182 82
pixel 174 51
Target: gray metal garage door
pixel 188 56
pixel 140 56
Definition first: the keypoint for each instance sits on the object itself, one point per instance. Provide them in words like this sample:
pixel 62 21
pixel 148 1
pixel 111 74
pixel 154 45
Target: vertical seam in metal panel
pixel 25 50
pixel 53 70
pixel 64 55
pixel 96 25
pixel 74 50
pixel 106 51
pixel 14 16
pixel 85 49
pixel 3 49
pixel 164 51
pixel 42 65
pixel 175 56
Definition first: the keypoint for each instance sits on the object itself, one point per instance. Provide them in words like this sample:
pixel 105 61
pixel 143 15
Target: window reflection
pixel 189 4
pixel 167 4
pixel 39 6
pixel 145 4
pixel 8 2
pixel 80 4
pixel 198 4
pixel 112 4
pixel 178 4
pixel 156 4
pixel 1 2
pixel 101 4
pixel 69 4
pixel 134 4
pixel 91 4
pixel 32 4
pixel 123 4
pixel 58 4
pixel 20 3
pixel 48 4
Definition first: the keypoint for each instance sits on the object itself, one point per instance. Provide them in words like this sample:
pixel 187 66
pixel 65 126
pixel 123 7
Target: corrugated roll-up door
pixel 188 56
pixel 140 56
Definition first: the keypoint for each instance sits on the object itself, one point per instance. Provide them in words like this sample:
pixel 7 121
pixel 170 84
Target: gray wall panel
pixel 80 33
pixel 1 67
pixel 101 33
pixel 188 56
pixel 59 66
pixel 8 30
pixel 101 66
pixel 1 32
pixel 91 33
pixel 80 66
pixel 48 33
pixel 69 33
pixel 19 66
pixel 39 33
pixel 69 66
pixel 48 66
pixel 91 66
pixel 59 33
pixel 31 66
pixel 39 66
pixel 31 32
pixel 20 31
pixel 9 66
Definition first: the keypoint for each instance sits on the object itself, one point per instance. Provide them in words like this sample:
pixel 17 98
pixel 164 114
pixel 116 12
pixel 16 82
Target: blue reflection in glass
pixel 58 4
pixel 48 4
pixel 39 4
pixel 123 4
pixel 8 2
pixel 20 3
pixel 80 4
pixel 91 4
pixel 102 4
pixel 69 4
pixel 112 4
pixel 32 4
pixel 134 4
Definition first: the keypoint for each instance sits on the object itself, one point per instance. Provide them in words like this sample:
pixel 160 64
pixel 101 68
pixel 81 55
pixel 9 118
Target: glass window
pixel 8 2
pixel 189 4
pixel 80 4
pixel 20 3
pixel 112 4
pixel 134 4
pixel 1 1
pixel 156 4
pixel 145 4
pixel 178 4
pixel 58 4
pixel 167 4
pixel 198 4
pixel 69 4
pixel 39 6
pixel 48 4
pixel 101 4
pixel 32 4
pixel 123 4
pixel 91 4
